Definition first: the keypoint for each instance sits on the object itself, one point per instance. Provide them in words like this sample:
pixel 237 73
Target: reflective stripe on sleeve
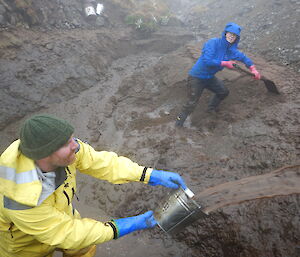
pixel 18 178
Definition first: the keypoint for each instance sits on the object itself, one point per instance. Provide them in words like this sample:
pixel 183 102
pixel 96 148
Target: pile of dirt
pixel 122 91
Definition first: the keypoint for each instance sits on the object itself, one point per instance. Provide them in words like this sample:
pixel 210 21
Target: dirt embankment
pixel 122 91
pixel 40 69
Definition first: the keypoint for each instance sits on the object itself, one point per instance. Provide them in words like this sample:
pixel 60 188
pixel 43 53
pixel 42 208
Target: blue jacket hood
pixel 233 28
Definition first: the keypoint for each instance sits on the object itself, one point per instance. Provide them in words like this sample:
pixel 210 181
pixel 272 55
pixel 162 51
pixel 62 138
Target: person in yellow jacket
pixel 38 183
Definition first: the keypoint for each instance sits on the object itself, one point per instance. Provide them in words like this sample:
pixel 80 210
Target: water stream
pixel 283 181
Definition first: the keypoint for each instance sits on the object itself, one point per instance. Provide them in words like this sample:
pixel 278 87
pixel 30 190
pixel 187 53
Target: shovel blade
pixel 270 85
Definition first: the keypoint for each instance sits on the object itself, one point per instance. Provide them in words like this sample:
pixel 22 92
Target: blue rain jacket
pixel 216 50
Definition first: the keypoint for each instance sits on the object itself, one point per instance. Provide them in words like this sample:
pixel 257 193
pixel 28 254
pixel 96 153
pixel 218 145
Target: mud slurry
pixel 284 181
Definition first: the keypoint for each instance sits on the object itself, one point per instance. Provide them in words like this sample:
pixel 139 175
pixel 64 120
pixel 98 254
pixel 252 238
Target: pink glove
pixel 228 64
pixel 255 72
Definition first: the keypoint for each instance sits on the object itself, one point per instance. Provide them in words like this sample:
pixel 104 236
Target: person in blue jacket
pixel 217 53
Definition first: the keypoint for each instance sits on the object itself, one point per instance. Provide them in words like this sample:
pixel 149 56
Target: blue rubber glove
pixel 167 179
pixel 130 224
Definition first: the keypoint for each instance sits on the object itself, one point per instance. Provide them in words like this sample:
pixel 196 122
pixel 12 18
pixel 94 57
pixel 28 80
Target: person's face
pixel 230 37
pixel 65 155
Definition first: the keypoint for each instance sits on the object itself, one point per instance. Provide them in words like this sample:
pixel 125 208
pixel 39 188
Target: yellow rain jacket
pixel 29 229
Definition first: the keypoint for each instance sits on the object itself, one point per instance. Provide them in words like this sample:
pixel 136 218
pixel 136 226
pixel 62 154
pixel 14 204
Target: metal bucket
pixel 178 211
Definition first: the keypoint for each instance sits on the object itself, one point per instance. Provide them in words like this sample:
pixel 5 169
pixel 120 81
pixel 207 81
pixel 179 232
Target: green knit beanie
pixel 42 135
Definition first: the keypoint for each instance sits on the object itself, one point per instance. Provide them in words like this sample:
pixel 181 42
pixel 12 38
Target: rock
pixel 49 46
pixel 224 158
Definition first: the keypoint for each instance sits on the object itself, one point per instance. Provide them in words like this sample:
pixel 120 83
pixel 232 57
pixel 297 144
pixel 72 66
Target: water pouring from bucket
pixel 180 208
pixel 178 211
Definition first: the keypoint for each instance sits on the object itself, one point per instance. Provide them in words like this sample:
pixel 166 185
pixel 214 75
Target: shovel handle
pixel 242 70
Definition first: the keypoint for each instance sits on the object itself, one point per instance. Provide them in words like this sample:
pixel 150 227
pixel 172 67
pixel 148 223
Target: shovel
pixel 270 85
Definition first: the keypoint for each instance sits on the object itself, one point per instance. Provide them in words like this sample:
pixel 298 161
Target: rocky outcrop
pixel 43 13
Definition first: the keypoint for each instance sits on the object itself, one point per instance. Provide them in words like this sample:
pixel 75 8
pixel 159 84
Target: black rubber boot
pixel 214 103
pixel 180 119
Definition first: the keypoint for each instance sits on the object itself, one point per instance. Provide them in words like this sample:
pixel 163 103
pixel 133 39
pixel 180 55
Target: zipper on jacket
pixel 67 168
pixel 10 229
pixel 73 190
pixel 65 193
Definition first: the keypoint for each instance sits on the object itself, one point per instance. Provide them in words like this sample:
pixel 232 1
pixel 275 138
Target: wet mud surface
pixel 122 93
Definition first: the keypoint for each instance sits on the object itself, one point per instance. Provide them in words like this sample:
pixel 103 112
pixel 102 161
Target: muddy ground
pixel 122 90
